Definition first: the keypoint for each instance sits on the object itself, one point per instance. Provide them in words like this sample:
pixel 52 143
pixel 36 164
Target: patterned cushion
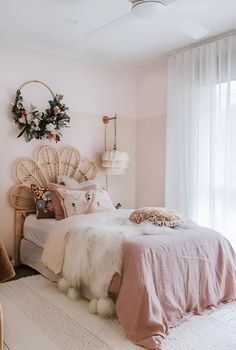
pixel 43 201
pixel 75 202
pixel 156 215
pixel 58 200
pixel 100 202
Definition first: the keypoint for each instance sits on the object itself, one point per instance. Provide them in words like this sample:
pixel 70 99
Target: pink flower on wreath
pixel 52 136
pixel 23 118
pixel 57 110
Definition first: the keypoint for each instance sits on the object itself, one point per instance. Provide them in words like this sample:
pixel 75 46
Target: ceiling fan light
pixel 149 9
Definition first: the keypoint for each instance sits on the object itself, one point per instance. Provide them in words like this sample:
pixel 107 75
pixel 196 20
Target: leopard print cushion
pixel 156 215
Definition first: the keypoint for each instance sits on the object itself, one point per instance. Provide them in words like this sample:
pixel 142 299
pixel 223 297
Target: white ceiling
pixel 65 27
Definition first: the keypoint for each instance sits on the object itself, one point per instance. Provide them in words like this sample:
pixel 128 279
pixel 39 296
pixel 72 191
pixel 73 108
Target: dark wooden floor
pixel 23 271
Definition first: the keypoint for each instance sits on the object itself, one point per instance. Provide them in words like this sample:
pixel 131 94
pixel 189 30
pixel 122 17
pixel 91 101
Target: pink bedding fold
pixel 169 277
pixel 54 250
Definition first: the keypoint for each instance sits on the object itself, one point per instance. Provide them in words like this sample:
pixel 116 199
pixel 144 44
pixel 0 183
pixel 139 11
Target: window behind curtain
pixel 201 135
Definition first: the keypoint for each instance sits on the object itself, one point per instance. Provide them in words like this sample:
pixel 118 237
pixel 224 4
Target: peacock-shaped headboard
pixel 48 165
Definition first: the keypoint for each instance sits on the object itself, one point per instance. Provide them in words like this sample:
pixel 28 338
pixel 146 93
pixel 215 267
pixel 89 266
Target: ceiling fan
pixel 154 10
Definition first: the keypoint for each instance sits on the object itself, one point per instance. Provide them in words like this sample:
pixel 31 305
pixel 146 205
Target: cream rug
pixel 37 316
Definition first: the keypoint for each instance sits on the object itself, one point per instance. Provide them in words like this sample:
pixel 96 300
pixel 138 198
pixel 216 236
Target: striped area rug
pixel 37 316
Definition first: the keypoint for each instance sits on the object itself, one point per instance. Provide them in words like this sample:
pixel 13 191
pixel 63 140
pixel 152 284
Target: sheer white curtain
pixel 201 135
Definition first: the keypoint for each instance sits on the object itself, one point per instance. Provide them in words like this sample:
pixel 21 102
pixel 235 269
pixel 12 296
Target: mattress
pixel 37 231
pixel 30 255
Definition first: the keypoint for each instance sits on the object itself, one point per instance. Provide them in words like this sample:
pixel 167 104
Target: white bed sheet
pixel 30 255
pixel 37 231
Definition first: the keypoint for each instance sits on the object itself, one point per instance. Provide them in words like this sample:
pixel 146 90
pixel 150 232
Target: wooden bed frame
pixel 49 164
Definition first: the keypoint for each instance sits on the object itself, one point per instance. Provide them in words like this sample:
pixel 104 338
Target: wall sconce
pixel 115 162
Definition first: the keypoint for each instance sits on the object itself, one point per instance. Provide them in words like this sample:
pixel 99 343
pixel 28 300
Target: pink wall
pixel 90 92
pixel 150 137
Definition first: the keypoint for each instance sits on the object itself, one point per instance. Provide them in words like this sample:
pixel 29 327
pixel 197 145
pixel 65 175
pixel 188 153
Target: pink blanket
pixel 167 275
pixel 166 278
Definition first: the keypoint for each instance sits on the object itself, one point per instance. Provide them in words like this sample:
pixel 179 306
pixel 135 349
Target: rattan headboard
pixel 49 164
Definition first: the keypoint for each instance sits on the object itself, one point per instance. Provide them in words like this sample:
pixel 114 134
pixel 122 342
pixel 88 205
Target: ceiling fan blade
pixel 186 25
pixel 107 25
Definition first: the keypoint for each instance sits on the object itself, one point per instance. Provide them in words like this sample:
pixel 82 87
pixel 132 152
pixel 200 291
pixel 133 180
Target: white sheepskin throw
pixel 93 255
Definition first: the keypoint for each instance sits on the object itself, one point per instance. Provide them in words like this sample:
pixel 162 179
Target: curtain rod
pixel 199 44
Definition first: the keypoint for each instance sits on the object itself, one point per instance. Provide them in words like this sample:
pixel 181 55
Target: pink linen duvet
pixel 166 277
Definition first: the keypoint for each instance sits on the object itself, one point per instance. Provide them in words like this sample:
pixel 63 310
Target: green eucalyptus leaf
pixel 36 126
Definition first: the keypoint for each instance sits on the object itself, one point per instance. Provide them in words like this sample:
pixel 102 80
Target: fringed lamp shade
pixel 115 162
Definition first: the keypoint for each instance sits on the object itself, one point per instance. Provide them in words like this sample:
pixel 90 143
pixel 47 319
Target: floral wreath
pixel 38 125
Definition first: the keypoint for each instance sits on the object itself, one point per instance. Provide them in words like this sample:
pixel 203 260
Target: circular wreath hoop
pixel 39 125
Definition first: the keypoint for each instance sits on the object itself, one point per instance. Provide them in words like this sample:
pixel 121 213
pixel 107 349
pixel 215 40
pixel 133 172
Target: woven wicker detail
pixel 28 172
pixel 69 161
pixel 46 169
pixel 48 160
pixel 22 199
pixel 87 170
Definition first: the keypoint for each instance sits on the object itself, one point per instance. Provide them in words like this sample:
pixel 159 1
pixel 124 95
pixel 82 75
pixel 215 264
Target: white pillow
pixel 75 202
pixel 73 184
pixel 100 201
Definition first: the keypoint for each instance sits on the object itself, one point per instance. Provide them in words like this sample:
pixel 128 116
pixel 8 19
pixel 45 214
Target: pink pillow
pixel 57 201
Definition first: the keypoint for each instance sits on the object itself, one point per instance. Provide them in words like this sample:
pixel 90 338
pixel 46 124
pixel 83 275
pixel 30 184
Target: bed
pixel 31 234
pixel 165 275
pixel 35 234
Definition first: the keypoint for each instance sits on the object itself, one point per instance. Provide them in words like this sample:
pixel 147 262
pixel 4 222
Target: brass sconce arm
pixel 106 120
